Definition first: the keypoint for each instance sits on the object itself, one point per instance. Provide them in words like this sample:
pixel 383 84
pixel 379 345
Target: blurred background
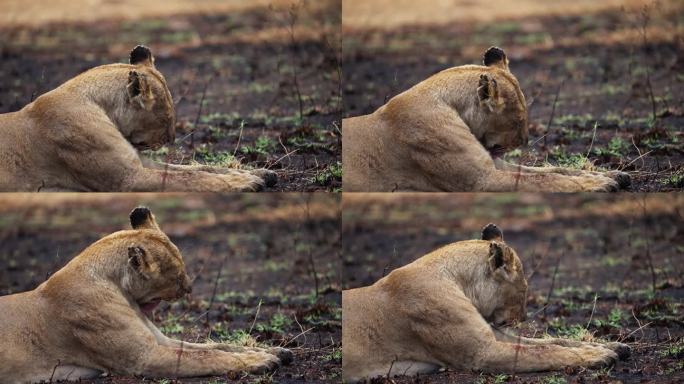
pixel 254 82
pixel 265 266
pixel 599 266
pixel 604 77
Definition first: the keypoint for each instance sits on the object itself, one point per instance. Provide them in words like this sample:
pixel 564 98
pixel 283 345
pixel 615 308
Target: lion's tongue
pixel 147 308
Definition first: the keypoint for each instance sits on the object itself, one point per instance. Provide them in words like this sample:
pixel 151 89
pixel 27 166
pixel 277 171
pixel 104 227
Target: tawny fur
pixel 87 318
pixel 437 136
pixel 435 313
pixel 83 135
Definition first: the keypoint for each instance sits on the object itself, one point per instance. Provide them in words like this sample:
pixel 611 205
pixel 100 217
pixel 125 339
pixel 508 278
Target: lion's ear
pixel 492 232
pixel 142 218
pixel 500 256
pixel 495 57
pixel 496 256
pixel 137 259
pixel 139 90
pixel 488 93
pixel 141 55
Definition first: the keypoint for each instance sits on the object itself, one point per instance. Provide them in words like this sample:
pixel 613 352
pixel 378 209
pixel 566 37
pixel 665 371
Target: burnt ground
pixel 232 76
pixel 622 252
pixel 258 252
pixel 596 64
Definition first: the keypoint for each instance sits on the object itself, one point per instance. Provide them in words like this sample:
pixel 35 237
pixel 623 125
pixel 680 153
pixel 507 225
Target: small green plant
pixel 675 180
pixel 240 337
pixel 573 160
pixel 675 350
pixel 613 320
pixel 334 171
pixel 616 147
pixel 575 332
pixel 554 379
pixel 172 325
pixel 262 146
pixel 335 355
pixel 501 378
pixel 277 324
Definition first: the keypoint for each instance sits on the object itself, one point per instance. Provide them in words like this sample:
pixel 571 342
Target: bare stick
pixel 199 111
pixel 649 257
pixel 237 146
pixel 593 308
pixel 52 376
pixel 645 18
pixel 593 137
pixel 553 282
pixel 293 13
pixel 213 293
pixel 553 110
pixel 256 315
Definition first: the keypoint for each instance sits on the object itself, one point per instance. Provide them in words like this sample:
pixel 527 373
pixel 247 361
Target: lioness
pixel 445 134
pixel 92 316
pixel 434 313
pixel 83 135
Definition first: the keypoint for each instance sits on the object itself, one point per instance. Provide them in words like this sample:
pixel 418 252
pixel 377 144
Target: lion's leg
pixel 621 349
pixel 622 178
pixel 455 334
pixel 508 357
pixel 116 166
pixel 501 181
pixel 270 177
pixel 152 180
pixel 285 355
pixel 467 166
pixel 168 361
pixel 127 346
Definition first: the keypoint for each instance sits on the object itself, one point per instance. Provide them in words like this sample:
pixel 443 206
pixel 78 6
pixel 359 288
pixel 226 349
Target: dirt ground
pixel 602 96
pixel 258 252
pixel 606 267
pixel 258 82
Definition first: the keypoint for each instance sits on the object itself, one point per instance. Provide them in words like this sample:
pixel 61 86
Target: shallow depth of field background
pixel 255 82
pixel 600 266
pixel 273 261
pixel 605 78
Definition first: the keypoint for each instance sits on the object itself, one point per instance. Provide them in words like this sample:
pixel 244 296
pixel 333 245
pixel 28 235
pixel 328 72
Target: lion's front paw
pixel 622 350
pixel 597 357
pixel 285 355
pixel 260 362
pixel 622 178
pixel 597 184
pixel 247 182
pixel 270 178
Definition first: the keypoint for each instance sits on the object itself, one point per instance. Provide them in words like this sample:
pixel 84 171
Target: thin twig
pixel 553 110
pixel 255 317
pixel 213 293
pixel 593 308
pixel 553 282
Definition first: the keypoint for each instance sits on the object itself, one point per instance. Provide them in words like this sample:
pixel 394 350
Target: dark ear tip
pixel 491 231
pixel 140 53
pixel 139 216
pixel 493 55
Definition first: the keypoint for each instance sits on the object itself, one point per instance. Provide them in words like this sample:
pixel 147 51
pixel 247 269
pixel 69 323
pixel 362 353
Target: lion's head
pixel 502 296
pixel 155 270
pixel 501 123
pixel 150 116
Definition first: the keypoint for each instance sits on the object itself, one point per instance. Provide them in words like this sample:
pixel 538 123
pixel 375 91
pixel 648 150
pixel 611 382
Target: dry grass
pixel 388 14
pixel 34 13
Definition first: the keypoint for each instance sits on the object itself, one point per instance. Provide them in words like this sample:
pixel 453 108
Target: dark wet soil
pixel 263 263
pixel 582 70
pixel 578 249
pixel 231 75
